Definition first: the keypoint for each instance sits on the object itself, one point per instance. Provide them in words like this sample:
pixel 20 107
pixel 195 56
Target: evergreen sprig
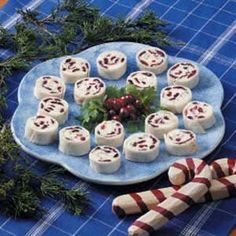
pixel 22 191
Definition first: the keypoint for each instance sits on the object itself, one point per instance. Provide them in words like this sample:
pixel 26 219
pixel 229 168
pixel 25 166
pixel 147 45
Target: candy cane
pixel 141 202
pixel 180 200
pixel 223 167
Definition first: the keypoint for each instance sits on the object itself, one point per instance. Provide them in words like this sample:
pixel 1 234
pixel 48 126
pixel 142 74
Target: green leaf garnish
pixel 92 113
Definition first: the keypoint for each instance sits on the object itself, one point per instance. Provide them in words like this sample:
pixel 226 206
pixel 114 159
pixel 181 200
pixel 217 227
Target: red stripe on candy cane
pixel 118 210
pixel 200 167
pixel 230 186
pixel 202 180
pixel 159 195
pixel 164 212
pixel 232 166
pixel 144 226
pixel 188 200
pixel 139 202
pixel 183 168
pixel 219 172
pixel 191 166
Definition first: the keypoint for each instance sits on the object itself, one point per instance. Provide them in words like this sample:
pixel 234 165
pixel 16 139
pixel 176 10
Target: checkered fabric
pixel 207 27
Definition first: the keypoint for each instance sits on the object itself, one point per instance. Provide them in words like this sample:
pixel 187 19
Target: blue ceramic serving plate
pixel 209 90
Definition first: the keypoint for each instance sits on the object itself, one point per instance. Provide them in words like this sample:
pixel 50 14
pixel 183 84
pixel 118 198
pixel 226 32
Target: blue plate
pixel 209 90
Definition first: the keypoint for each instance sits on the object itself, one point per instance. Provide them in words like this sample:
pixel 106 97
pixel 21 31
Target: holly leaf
pixel 114 92
pixel 93 112
pixel 147 95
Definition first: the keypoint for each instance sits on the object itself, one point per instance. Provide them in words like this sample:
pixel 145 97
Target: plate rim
pixel 99 181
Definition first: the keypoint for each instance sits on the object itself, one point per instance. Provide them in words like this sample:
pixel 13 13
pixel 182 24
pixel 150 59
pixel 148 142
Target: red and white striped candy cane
pixel 141 202
pixel 133 203
pixel 223 167
pixel 179 201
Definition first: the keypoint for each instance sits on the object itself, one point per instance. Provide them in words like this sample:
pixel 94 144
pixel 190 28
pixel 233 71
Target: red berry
pixel 138 104
pixel 124 100
pixel 131 108
pixel 129 98
pixel 111 113
pixel 109 103
pixel 117 118
pixel 117 104
pixel 124 113
pixel 121 102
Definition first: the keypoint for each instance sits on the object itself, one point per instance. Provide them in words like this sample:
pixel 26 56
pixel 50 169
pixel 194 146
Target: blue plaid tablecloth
pixel 208 29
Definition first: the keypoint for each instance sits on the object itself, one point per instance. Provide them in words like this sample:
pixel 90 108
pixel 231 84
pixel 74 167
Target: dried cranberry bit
pixel 153 140
pixel 137 80
pixel 105 60
pixel 144 62
pixel 142 141
pixel 44 126
pixel 40 117
pixel 147 74
pixel 116 155
pixel 68 60
pixel 104 160
pixel 200 109
pixel 102 65
pixel 76 69
pixel 142 53
pixel 143 146
pixel 175 96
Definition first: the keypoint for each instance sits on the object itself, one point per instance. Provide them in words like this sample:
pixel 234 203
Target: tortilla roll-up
pixel 49 86
pixel 183 73
pixel 160 123
pixel 198 116
pixel 111 65
pixel 54 107
pixel 73 69
pixel 41 129
pixel 152 59
pixel 74 140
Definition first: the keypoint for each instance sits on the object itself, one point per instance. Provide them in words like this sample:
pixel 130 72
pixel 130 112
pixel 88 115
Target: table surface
pixel 207 27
